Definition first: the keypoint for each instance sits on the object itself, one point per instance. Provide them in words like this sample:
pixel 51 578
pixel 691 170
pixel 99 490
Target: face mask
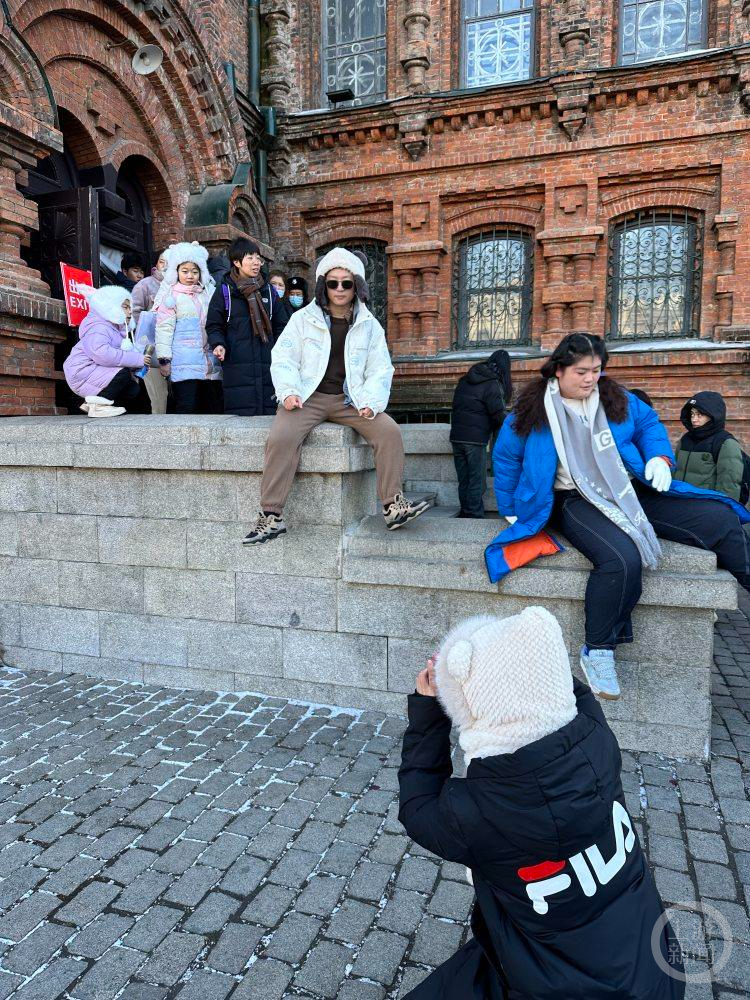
pixel 296 300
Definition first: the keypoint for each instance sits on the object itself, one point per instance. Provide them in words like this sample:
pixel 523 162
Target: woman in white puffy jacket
pixel 332 363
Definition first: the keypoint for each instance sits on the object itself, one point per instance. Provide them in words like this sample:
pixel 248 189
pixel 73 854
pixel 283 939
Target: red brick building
pixel 518 169
pixel 514 168
pixel 97 158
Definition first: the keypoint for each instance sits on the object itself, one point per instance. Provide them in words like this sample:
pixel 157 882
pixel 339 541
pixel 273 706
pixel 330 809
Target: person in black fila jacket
pixel 479 404
pixel 565 905
pixel 244 321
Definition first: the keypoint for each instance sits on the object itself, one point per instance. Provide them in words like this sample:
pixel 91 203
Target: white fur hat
pixel 182 253
pixel 340 257
pixel 505 682
pixel 107 302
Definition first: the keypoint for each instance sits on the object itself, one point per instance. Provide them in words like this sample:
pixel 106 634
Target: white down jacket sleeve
pixel 286 361
pixel 378 372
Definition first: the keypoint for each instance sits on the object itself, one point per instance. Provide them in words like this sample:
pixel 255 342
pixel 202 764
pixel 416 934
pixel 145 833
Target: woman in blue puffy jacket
pixel 585 456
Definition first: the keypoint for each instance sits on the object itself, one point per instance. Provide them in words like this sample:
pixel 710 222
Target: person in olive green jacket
pixel 708 455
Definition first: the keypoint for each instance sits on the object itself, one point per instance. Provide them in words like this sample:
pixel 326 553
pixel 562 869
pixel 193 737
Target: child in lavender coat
pixel 101 367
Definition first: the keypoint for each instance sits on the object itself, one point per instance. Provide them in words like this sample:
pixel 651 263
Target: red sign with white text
pixel 75 303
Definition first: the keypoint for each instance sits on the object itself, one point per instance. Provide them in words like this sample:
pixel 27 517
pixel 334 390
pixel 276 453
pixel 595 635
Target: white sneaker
pixel 100 406
pixel 599 667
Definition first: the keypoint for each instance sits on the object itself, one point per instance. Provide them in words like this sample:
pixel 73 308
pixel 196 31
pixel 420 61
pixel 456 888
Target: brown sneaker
pixel 267 526
pixel 400 511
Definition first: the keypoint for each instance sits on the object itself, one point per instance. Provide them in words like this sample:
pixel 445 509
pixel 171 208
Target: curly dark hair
pixel 529 413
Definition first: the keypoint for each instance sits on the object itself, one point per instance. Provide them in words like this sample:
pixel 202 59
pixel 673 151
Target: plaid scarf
pixel 251 289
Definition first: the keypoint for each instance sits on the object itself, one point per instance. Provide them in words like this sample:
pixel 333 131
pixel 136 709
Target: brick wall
pixel 561 157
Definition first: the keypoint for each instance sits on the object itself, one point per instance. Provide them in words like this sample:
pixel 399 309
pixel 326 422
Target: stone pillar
pixel 416 58
pixel 17 219
pixel 569 290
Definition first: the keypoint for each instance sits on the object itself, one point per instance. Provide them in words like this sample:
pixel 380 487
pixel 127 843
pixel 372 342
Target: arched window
pixel 492 283
pixel 654 275
pixel 376 273
pixel 354 48
pixel 497 41
pixel 653 29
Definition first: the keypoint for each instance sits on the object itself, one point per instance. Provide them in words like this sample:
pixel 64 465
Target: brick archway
pixel 199 136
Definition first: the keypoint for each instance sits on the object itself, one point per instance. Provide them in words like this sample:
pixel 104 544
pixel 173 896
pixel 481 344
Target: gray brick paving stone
pixel 172 957
pixel 151 929
pixel 435 941
pixel 293 937
pixel 418 874
pixel 707 846
pixel 667 852
pixel 412 978
pixel 8 983
pixel 72 876
pixel 358 989
pixel 245 875
pixel 178 858
pixel 142 892
pixel 294 868
pixel 403 912
pixel 674 887
pixel 36 949
pixel 212 914
pixel 235 946
pixel 267 979
pixel 130 864
pixel 715 881
pixel 108 976
pixel 316 837
pixel 191 887
pixel 452 899
pixel 324 969
pixel 702 818
pixel 224 851
pixel 52 981
pixel 370 880
pixel 24 917
pixel 269 905
pixel 320 895
pixel 351 921
pixel 100 934
pixel 380 956
pixel 205 985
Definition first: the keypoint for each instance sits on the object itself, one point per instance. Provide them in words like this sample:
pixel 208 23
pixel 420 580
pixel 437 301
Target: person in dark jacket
pixel 243 324
pixel 479 405
pixel 565 905
pixel 708 455
pixel 131 271
pixel 297 292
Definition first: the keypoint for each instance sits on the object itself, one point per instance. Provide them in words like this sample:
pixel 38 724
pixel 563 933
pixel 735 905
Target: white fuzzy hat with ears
pixel 340 257
pixel 107 302
pixel 505 682
pixel 183 253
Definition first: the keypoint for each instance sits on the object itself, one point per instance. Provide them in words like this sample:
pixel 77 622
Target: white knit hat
pixel 183 253
pixel 340 257
pixel 107 302
pixel 505 682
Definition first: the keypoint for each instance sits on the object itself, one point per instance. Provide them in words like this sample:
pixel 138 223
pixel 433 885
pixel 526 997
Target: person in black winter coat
pixel 479 403
pixel 565 905
pixel 242 326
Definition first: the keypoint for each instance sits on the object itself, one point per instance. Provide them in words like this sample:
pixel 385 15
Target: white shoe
pixel 100 406
pixel 84 407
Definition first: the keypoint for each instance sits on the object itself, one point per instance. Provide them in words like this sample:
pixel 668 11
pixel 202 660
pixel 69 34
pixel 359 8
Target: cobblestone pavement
pixel 161 844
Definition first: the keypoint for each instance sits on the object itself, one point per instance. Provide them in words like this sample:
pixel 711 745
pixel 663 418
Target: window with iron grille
pixel 497 41
pixel 492 281
pixel 652 29
pixel 376 273
pixel 354 48
pixel 654 275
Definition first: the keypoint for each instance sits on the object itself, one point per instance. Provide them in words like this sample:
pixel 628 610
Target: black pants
pixel 614 584
pixel 471 469
pixel 197 395
pixel 128 391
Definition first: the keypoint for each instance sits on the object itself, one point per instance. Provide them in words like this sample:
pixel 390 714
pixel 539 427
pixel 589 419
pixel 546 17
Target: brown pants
pixel 291 427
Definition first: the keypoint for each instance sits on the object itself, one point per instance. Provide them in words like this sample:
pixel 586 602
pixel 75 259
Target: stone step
pixel 454 540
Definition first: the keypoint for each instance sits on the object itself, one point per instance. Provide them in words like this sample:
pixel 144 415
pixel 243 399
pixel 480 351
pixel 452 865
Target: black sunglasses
pixel 347 284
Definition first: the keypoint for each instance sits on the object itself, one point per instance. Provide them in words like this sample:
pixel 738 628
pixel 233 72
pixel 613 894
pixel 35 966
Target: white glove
pixel 657 472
